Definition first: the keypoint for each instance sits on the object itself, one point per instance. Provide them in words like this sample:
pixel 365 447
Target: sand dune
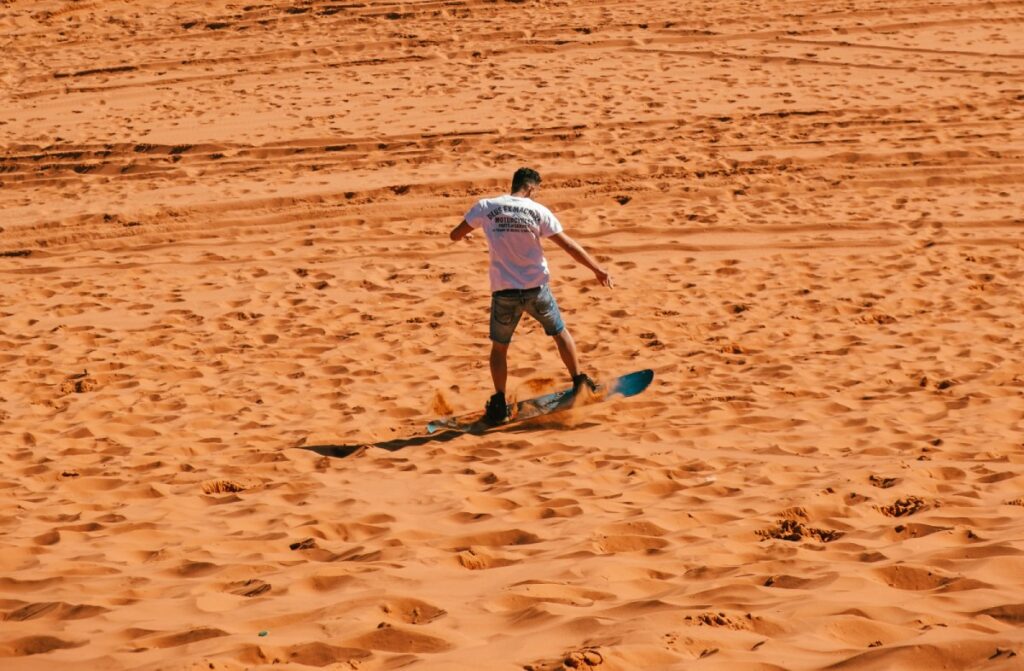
pixel 229 308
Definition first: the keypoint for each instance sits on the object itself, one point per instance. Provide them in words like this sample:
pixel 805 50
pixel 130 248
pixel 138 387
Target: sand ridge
pixel 229 307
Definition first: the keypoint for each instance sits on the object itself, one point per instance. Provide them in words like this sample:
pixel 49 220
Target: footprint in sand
pixel 412 611
pixel 36 645
pixel 396 639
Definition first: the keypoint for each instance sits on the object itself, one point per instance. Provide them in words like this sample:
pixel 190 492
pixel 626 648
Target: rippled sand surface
pixel 229 307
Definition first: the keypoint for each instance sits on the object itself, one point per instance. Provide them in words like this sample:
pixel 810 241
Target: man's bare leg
pixel 499 365
pixel 567 350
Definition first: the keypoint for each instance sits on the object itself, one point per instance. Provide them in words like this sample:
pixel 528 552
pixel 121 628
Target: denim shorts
pixel 508 305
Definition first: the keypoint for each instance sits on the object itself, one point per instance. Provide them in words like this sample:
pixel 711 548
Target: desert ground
pixel 229 306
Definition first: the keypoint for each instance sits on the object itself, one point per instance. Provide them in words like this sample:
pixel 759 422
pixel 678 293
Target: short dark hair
pixel 523 177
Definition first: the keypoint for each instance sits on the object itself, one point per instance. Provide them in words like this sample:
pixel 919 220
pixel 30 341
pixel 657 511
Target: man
pixel 514 226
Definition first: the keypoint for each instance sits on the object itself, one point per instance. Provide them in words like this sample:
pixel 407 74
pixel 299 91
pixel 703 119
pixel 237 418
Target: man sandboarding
pixel 514 226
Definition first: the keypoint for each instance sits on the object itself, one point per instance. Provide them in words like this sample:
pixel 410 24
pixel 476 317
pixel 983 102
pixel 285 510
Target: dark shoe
pixel 583 380
pixel 496 410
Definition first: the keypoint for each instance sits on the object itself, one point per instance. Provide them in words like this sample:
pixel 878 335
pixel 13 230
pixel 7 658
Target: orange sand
pixel 225 265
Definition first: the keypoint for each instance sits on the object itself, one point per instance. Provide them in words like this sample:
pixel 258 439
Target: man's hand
pixel 462 231
pixel 604 278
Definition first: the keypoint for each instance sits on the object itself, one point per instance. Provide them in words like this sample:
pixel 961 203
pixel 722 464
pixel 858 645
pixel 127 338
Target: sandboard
pixel 630 384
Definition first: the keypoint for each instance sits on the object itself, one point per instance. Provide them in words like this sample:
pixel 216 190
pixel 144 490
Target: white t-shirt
pixel 514 227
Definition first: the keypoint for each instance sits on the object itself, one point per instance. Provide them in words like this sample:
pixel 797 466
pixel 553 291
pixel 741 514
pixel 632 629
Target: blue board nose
pixel 633 383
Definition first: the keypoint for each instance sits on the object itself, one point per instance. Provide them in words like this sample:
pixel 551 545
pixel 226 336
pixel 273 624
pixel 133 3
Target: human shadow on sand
pixel 395 444
pixel 392 445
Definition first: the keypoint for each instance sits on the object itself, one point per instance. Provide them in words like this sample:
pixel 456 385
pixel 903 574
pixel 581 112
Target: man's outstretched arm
pixel 580 256
pixel 460 231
